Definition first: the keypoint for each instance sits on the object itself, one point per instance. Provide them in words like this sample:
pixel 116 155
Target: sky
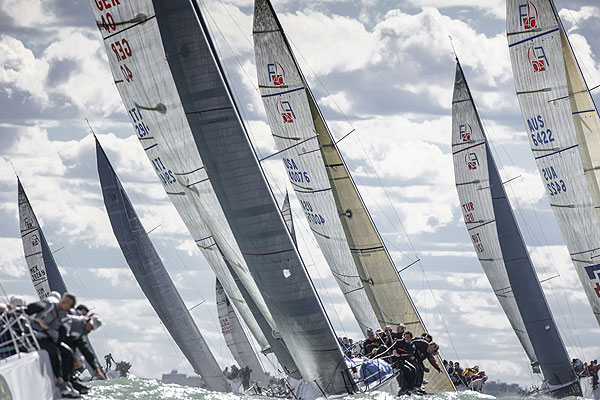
pixel 381 69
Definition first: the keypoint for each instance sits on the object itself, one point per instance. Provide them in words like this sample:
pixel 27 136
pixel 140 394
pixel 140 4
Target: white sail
pixel 471 172
pixel 286 103
pixel 236 338
pixel 43 270
pixel 336 213
pixel 561 122
pixel 137 61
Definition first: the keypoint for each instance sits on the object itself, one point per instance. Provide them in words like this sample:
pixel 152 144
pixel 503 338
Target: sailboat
pixel 43 270
pixel 501 249
pixel 153 278
pixel 45 276
pixel 236 339
pixel 336 213
pixel 562 124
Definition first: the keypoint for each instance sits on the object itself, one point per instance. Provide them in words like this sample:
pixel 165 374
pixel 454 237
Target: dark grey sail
pixel 154 279
pixel 277 346
pixel 246 198
pixel 524 284
pixel 44 272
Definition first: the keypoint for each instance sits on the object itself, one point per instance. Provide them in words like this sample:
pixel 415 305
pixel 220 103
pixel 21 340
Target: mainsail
pixel 172 86
pixel 142 76
pixel 498 242
pixel 335 211
pixel 236 338
pixel 154 279
pixel 43 269
pixel 562 125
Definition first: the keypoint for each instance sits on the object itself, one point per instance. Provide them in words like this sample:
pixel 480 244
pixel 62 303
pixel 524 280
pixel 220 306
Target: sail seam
pixel 533 37
pixel 559 151
pixel 285 92
pixel 467 148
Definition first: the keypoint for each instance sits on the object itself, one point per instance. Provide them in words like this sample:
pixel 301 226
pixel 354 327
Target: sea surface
pixel 150 389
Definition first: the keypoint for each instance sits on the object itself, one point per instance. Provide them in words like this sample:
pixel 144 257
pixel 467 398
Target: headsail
pixel 154 279
pixel 498 241
pixel 236 338
pixel 562 125
pixel 336 213
pixel 42 267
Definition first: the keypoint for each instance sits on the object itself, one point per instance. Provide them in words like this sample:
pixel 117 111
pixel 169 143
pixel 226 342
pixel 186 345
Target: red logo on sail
pixel 528 15
pixel 28 222
pixel 592 272
pixel 287 113
pixel 472 161
pixel 465 132
pixel 34 240
pixel 276 74
pixel 112 196
pixel 537 58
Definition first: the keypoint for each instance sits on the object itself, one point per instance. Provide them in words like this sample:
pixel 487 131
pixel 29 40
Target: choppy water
pixel 150 389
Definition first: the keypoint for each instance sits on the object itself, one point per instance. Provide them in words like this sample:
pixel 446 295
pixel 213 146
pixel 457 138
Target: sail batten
pixel 154 279
pixel 236 339
pixel 562 125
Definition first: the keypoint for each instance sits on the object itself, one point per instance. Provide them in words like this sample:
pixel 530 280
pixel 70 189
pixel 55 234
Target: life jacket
pixel 75 326
pixel 52 316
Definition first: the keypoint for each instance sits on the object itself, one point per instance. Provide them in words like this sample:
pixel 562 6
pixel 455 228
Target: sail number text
pixel 539 135
pixel 468 212
pixel 312 216
pixel 294 173
pixel 554 184
pixel 141 128
pixel 37 274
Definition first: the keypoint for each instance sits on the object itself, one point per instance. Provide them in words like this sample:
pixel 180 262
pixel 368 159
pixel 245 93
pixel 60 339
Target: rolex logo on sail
pixel 537 58
pixel 287 113
pixel 276 74
pixel 528 15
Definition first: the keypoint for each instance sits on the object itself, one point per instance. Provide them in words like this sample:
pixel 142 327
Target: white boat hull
pixel 27 376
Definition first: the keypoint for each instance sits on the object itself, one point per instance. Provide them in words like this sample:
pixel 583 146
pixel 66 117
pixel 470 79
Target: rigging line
pixel 288 148
pixel 228 46
pixel 234 93
pixel 584 35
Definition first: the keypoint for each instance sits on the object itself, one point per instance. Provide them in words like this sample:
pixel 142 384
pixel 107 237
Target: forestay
pixel 472 177
pixel 154 279
pixel 562 126
pixel 42 268
pixel 142 76
pixel 336 213
pixel 245 197
pixel 236 338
